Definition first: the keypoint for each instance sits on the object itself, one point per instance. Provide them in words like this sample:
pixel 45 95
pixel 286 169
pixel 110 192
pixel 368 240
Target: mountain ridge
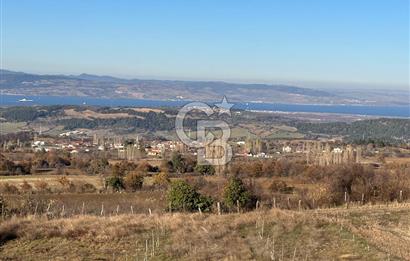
pixel 105 86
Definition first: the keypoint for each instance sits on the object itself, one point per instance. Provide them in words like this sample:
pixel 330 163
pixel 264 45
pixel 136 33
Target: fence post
pixel 35 210
pixel 132 210
pixel 102 209
pixel 218 206
pixel 83 209
pixel 274 202
pixel 362 198
pixel 401 195
pixel 347 204
pixel 237 205
pixel 300 205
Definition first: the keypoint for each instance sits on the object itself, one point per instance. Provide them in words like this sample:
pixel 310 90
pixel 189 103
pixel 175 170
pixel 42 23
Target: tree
pixel 97 166
pixel 208 170
pixel 178 163
pixel 255 168
pixel 235 191
pixel 133 181
pixel 115 182
pixel 181 196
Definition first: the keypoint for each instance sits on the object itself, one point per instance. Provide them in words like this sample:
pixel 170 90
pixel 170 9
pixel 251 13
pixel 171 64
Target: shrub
pixel 41 186
pixel 146 167
pixel 26 187
pixel 87 188
pixel 235 191
pixel 205 169
pixel 133 181
pixel 161 180
pixel 97 166
pixel 66 184
pixel 182 196
pixel 9 189
pixel 116 183
pixel 280 186
pixel 64 181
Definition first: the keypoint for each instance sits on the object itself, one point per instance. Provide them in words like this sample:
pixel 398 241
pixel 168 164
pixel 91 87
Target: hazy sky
pixel 358 41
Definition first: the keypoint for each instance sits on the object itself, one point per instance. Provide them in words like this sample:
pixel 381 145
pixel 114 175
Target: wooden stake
pixel 218 206
pixel 35 210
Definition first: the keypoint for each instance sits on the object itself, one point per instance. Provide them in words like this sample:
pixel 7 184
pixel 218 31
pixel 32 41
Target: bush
pixel 205 169
pixel 42 186
pixel 235 191
pixel 9 189
pixel 26 187
pixel 87 188
pixel 161 180
pixel 116 183
pixel 133 181
pixel 182 196
pixel 280 186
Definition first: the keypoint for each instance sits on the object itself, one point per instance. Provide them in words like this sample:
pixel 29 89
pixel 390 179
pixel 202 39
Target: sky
pixel 320 43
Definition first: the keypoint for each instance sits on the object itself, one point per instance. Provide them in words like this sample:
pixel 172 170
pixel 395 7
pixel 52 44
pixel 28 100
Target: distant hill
pixel 112 87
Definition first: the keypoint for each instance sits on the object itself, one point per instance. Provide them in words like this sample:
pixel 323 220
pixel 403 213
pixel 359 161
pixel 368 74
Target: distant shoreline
pixel 349 109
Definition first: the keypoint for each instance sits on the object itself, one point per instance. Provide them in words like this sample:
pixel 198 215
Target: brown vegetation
pixel 334 234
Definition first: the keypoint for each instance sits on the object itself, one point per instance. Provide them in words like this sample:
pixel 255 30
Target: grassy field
pixel 365 233
pixel 11 127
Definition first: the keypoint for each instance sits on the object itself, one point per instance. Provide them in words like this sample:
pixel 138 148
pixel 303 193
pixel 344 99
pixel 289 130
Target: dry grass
pixel 89 114
pixel 92 203
pixel 147 110
pixel 51 180
pixel 373 233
